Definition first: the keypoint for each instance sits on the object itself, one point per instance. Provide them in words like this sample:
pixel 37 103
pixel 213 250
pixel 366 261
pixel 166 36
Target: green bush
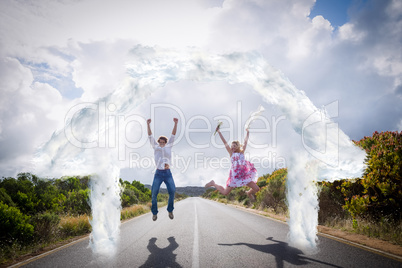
pixel 163 197
pixel 31 207
pixel 134 193
pixel 331 202
pixel 382 180
pixel 77 202
pixel 128 197
pixel 273 195
pixel 14 226
pixel 46 226
pixel 262 181
pixel 5 198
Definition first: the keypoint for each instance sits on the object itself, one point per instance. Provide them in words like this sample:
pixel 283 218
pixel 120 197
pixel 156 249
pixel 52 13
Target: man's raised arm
pixel 175 126
pixel 149 127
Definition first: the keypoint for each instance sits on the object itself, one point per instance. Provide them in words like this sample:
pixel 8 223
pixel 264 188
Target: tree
pixel 5 198
pixel 21 191
pixel 47 194
pixel 133 193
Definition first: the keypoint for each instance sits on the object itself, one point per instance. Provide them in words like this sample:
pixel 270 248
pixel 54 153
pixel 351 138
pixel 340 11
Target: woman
pixel 242 172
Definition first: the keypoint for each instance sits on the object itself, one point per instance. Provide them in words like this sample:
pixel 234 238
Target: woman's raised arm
pixel 246 140
pixel 224 142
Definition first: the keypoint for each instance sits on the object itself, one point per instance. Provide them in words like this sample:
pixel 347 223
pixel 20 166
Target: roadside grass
pixel 74 226
pixel 383 229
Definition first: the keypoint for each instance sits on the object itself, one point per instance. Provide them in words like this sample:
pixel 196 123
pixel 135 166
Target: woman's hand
pixel 218 127
pixel 175 120
pixel 149 121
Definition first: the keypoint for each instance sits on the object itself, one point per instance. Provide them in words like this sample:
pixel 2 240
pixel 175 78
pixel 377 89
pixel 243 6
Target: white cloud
pixel 311 41
pixel 53 52
pixel 173 23
pixel 29 111
pixel 349 34
pixel 99 67
pixel 399 126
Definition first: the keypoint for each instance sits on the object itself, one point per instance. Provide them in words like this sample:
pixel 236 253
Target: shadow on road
pixel 282 252
pixel 161 257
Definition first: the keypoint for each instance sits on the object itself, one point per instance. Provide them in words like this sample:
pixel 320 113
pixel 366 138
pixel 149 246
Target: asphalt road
pixel 209 234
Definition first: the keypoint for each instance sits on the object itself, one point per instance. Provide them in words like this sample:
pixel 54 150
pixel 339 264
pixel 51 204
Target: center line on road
pixel 196 261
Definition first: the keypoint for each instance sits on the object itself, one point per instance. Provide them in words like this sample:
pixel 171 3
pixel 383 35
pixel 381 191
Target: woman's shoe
pixel 250 195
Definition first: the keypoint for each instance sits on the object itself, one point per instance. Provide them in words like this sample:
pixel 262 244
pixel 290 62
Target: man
pixel 163 156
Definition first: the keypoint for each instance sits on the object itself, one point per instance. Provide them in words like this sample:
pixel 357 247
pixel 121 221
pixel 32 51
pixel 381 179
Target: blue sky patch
pixel 333 10
pixel 43 73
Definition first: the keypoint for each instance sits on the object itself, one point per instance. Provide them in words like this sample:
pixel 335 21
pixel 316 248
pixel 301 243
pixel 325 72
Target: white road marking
pixel 196 260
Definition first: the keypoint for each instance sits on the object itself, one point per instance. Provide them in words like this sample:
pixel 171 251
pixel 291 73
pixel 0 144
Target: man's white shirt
pixel 162 155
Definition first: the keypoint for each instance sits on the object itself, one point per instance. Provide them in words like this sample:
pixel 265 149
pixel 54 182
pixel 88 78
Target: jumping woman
pixel 242 172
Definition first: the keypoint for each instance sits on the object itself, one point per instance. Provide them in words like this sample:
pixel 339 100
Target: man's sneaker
pixel 171 215
pixel 154 217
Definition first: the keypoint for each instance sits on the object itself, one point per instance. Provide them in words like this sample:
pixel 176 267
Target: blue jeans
pixel 166 177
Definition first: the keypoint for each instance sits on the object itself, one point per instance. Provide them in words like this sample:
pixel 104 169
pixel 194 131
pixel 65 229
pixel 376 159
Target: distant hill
pixel 188 190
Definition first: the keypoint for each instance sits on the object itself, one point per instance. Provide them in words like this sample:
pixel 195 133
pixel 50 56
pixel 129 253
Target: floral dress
pixel 241 172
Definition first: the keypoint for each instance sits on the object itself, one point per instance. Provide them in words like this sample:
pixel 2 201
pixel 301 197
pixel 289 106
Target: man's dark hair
pixel 163 138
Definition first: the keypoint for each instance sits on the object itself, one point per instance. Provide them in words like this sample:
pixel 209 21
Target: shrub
pixel 382 180
pixel 273 195
pixel 163 197
pixel 262 181
pixel 15 226
pixel 5 198
pixel 77 202
pixel 331 202
pixel 45 226
pixel 128 197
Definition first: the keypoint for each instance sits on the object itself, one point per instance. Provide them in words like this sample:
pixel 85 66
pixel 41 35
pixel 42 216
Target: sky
pixel 58 55
pixel 334 11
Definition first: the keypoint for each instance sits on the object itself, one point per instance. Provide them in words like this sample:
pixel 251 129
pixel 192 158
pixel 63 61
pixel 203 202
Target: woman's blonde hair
pixel 239 145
